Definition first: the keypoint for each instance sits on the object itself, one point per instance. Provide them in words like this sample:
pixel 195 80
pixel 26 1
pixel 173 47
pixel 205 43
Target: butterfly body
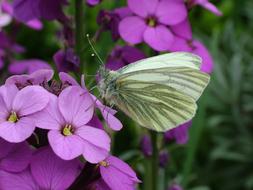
pixel 159 93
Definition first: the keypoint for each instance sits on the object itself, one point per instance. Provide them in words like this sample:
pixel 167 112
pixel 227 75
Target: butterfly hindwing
pixel 155 106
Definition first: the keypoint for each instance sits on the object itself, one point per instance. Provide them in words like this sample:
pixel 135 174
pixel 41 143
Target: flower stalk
pixel 154 161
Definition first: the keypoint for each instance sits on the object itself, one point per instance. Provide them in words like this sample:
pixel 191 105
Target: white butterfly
pixel 160 92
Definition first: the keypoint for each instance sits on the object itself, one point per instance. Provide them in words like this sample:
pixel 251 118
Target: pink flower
pixel 151 21
pixel 14 157
pixel 107 113
pixel 116 174
pixel 17 109
pixel 205 4
pixel 66 117
pixel 47 171
pixel 36 78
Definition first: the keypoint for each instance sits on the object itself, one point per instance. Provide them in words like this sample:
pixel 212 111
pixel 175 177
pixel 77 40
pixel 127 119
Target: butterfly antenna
pixel 94 50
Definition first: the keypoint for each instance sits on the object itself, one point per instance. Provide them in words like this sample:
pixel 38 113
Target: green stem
pixel 154 161
pixel 195 134
pixel 79 32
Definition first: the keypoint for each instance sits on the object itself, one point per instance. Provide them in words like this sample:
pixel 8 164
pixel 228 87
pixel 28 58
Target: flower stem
pixel 154 160
pixel 79 32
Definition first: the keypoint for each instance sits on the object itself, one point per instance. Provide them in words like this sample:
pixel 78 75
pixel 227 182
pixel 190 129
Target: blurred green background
pixel 219 155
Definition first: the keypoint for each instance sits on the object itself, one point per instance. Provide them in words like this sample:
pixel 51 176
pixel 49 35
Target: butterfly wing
pixel 176 59
pixel 157 107
pixel 160 93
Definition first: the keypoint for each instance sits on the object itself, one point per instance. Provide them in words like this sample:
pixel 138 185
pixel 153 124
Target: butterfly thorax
pixel 107 85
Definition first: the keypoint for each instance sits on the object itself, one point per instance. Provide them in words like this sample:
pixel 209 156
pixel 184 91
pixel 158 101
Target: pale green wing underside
pixel 160 92
pixel 154 106
pixel 176 59
pixel 188 81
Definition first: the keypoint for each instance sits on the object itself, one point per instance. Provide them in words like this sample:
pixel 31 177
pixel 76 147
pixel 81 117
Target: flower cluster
pixel 66 112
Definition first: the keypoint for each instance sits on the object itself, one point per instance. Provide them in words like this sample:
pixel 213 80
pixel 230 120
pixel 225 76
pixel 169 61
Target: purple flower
pixel 37 78
pixel 122 56
pixel 109 20
pixel 66 117
pixel 14 157
pixel 27 10
pixel 151 21
pixel 47 171
pixel 17 109
pixel 197 48
pixel 66 60
pixel 146 145
pixel 93 2
pixel 175 187
pixel 51 172
pixel 8 9
pixel 180 133
pixel 27 66
pixel 163 158
pixel 117 174
pixel 107 113
pixel 205 4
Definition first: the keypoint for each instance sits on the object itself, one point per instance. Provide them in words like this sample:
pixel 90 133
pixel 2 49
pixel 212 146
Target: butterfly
pixel 159 93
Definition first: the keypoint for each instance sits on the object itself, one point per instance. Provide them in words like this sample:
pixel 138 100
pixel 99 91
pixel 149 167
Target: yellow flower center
pixel 104 163
pixel 67 130
pixel 13 117
pixel 151 21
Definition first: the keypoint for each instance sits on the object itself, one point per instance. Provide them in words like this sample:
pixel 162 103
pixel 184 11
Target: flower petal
pixel 18 159
pixel 180 44
pixel 201 50
pixel 68 147
pixel 76 105
pixel 122 166
pixel 68 79
pixel 94 154
pixel 183 29
pixel 27 66
pixel 94 136
pixel 50 117
pixel 17 132
pixel 40 76
pixel 159 38
pixel 17 181
pixel 30 99
pixel 143 8
pixel 8 93
pixel 171 12
pixel 51 172
pixel 112 121
pixel 5 148
pixel 132 28
pixel 117 178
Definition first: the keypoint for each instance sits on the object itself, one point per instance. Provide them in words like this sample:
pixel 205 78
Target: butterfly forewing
pixel 189 81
